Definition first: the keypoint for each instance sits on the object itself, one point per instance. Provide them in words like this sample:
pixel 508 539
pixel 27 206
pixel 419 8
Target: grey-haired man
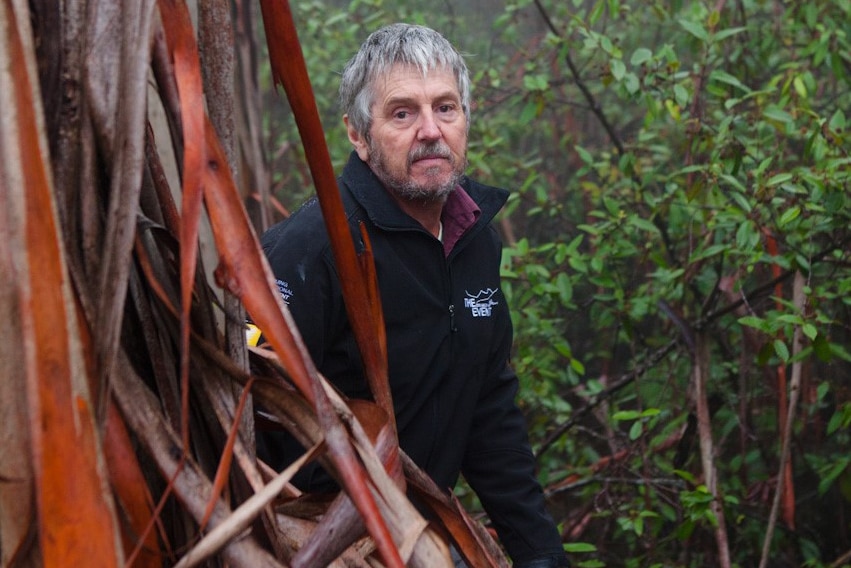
pixel 406 102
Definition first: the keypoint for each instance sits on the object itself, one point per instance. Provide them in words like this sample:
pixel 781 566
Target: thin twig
pixel 704 426
pixel 842 560
pixel 799 299
pixel 586 93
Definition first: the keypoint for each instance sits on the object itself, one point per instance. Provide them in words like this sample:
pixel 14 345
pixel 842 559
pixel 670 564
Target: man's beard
pixel 404 187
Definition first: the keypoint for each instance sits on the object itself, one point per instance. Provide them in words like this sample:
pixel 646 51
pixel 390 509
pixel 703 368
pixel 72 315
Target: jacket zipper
pixel 435 407
pixel 452 327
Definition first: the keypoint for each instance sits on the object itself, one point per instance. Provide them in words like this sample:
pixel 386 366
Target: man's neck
pixel 426 214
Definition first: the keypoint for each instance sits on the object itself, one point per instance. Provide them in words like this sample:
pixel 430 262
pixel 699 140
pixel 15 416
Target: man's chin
pixel 425 194
pixel 428 187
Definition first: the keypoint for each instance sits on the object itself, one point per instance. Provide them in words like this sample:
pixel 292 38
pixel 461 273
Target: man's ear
pixel 358 141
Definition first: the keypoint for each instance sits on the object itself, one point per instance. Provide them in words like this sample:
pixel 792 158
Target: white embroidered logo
pixel 284 289
pixel 481 304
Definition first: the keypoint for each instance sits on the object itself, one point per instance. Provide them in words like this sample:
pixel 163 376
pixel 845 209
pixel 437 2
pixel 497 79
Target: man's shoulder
pixel 303 230
pixel 306 218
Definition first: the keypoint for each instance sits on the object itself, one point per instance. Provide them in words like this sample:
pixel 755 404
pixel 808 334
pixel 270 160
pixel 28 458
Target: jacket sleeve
pixel 500 467
pixel 306 281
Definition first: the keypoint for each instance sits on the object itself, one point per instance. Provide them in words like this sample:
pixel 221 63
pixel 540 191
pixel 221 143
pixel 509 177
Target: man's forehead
pixel 401 74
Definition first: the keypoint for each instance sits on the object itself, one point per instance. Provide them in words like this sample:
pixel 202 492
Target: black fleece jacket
pixel 448 336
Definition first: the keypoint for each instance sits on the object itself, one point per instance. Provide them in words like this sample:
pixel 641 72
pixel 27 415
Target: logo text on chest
pixel 481 304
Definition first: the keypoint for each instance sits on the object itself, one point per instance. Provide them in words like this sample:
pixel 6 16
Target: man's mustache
pixel 436 150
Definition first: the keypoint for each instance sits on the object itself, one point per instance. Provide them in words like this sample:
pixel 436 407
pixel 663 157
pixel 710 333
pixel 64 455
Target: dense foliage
pixel 676 167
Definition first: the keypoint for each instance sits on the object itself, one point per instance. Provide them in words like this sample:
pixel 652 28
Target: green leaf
pixel 755 322
pixel 686 476
pixel 623 415
pixel 563 349
pixel 781 350
pixel 742 201
pixel 714 18
pixel 800 88
pixel 635 430
pixel 724 77
pixel 596 12
pixel 821 346
pixel 535 82
pixel 591 564
pixel 746 236
pixel 579 547
pixel 837 121
pixel 830 476
pixel 708 252
pixel 695 29
pixel 789 215
pixel 776 113
pixel 617 68
pixel 530 111
pixel 834 423
pixel 840 352
pixel 577 262
pixel 822 390
pixel 724 34
pixel 631 83
pixel 681 95
pixel 673 109
pixel 565 289
pixel 763 165
pixel 778 179
pixel 584 154
pixel 809 330
pixel 640 55
pixel 643 224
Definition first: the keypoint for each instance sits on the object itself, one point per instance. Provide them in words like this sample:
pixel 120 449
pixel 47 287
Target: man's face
pixel 417 145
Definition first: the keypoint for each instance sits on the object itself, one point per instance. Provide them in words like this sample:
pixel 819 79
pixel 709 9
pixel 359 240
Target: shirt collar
pixel 460 213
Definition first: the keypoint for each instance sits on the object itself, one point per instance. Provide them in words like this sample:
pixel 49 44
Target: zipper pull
pixel 452 327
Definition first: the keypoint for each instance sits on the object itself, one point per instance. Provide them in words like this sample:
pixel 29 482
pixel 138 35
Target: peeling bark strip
pixel 120 74
pixel 357 273
pixel 17 514
pixel 76 522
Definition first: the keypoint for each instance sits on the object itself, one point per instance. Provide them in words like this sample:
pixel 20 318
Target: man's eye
pixel 401 115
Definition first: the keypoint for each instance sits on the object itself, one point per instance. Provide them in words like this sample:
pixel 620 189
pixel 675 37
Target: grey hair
pixel 405 44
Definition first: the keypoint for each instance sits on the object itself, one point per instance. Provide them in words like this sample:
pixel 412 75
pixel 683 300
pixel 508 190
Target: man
pixel 406 99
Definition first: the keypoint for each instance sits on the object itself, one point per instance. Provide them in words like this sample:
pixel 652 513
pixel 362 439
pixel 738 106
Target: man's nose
pixel 428 129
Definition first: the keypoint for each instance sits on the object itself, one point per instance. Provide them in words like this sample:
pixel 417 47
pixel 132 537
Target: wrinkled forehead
pixel 410 72
pixel 401 75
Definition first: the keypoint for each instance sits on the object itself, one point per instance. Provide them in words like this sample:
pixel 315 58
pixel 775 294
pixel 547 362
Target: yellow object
pixel 252 334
